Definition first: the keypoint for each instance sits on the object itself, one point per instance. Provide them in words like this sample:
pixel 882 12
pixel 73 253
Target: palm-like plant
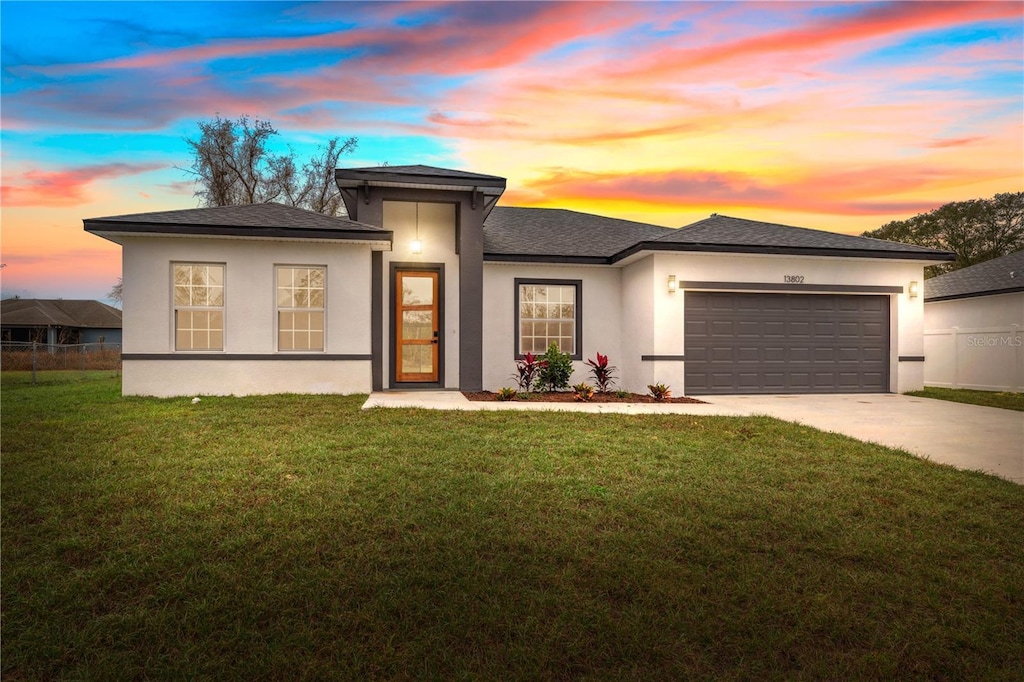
pixel 602 372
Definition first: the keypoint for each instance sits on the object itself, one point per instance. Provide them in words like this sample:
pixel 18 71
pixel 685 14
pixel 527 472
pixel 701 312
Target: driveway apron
pixel 970 437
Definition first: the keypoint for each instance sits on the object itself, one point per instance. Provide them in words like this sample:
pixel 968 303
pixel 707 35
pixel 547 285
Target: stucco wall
pixel 629 312
pixel 602 306
pixel 906 314
pixel 168 378
pixel 437 236
pixel 249 315
pixel 975 343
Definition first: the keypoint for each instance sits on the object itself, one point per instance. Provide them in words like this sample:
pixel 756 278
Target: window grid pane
pixel 300 308
pixel 547 314
pixel 198 306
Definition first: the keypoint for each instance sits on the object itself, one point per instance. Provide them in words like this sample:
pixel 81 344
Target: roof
pixel 418 175
pixel 558 234
pixel 250 220
pixel 1002 275
pixel 37 312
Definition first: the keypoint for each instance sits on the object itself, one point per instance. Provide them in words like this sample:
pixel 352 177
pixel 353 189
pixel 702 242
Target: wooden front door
pixel 417 326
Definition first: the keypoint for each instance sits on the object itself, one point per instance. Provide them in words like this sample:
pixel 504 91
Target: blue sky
pixel 839 116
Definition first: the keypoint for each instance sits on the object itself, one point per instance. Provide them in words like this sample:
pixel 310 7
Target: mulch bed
pixel 567 397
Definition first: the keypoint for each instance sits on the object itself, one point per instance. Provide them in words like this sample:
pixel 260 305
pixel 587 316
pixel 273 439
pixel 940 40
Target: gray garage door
pixel 786 343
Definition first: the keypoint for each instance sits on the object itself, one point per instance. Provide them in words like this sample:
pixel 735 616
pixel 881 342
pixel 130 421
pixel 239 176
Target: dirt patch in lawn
pixel 568 397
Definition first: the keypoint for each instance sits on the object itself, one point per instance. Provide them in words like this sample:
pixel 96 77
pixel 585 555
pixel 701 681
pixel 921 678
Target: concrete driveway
pixel 967 436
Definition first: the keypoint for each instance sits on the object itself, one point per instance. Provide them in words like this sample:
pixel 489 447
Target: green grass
pixel 1003 399
pixel 298 537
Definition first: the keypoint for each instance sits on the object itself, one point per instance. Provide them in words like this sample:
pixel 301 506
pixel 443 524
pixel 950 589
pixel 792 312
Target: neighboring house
pixel 974 326
pixel 59 321
pixel 429 284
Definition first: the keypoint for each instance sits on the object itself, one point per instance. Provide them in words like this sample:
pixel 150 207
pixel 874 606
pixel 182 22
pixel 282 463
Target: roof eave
pixel 937 257
pixel 543 258
pixel 110 230
pixel 973 294
pixel 348 178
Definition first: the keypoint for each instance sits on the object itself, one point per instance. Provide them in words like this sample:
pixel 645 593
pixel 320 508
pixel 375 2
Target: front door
pixel 417 326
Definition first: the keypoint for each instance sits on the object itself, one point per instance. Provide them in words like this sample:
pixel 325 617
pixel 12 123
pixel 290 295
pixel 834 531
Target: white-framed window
pixel 198 306
pixel 549 311
pixel 300 307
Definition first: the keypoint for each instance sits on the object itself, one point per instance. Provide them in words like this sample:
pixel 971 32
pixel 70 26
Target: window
pixel 300 308
pixel 198 306
pixel 548 311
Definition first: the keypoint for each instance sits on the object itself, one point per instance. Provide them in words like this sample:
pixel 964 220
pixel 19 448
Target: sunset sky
pixel 838 116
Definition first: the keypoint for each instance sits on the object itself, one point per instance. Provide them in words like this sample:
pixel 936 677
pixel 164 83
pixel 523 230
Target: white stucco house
pixel 974 326
pixel 431 284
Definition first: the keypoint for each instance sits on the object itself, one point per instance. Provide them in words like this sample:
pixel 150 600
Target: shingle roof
pixel 559 234
pixel 36 312
pixel 251 220
pixel 997 276
pixel 720 230
pixel 419 169
pixel 425 177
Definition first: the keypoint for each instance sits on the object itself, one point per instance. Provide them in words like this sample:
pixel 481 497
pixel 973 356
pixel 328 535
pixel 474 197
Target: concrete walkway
pixel 967 436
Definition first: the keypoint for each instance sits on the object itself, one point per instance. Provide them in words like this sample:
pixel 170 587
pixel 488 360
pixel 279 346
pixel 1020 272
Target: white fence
pixel 982 358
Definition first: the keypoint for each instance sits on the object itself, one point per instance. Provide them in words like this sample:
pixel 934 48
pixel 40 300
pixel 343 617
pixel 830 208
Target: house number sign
pixel 793 279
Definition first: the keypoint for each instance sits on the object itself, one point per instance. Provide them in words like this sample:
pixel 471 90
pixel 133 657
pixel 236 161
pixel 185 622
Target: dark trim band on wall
pixel 911 358
pixel 659 358
pixel 782 288
pixel 349 357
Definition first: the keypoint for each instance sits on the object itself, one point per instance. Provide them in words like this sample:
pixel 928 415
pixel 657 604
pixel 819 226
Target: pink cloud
pixel 954 142
pixel 65 187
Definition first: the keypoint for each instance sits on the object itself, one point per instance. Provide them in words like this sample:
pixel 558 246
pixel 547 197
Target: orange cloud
pixel 64 187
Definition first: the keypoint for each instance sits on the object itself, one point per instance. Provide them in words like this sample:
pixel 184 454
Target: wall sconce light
pixel 672 286
pixel 417 245
pixel 912 290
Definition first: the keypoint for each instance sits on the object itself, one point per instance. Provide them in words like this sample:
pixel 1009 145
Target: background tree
pixel 233 164
pixel 977 230
pixel 116 292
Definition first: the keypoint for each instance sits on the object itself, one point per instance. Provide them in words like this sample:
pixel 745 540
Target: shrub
pixel 528 370
pixel 557 369
pixel 602 372
pixel 583 392
pixel 507 393
pixel 621 394
pixel 660 392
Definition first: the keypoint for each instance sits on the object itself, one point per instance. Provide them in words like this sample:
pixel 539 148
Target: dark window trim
pixel 393 346
pixel 911 358
pixel 578 283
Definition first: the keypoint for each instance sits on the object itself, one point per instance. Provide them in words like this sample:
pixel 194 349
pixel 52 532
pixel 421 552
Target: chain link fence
pixel 16 356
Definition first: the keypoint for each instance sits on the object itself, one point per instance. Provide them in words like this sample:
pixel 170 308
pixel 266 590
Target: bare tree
pixel 233 164
pixel 116 292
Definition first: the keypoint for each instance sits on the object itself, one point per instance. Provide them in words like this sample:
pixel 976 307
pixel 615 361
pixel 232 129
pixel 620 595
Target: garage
pixel 738 342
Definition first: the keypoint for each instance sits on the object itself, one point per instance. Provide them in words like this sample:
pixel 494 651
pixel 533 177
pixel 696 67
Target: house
pixel 59 321
pixel 974 326
pixel 429 283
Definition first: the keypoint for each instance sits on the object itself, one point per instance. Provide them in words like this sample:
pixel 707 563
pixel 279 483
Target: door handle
pixel 434 340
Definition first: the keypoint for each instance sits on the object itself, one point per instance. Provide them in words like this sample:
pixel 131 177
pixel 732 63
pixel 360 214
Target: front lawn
pixel 1003 399
pixel 298 537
